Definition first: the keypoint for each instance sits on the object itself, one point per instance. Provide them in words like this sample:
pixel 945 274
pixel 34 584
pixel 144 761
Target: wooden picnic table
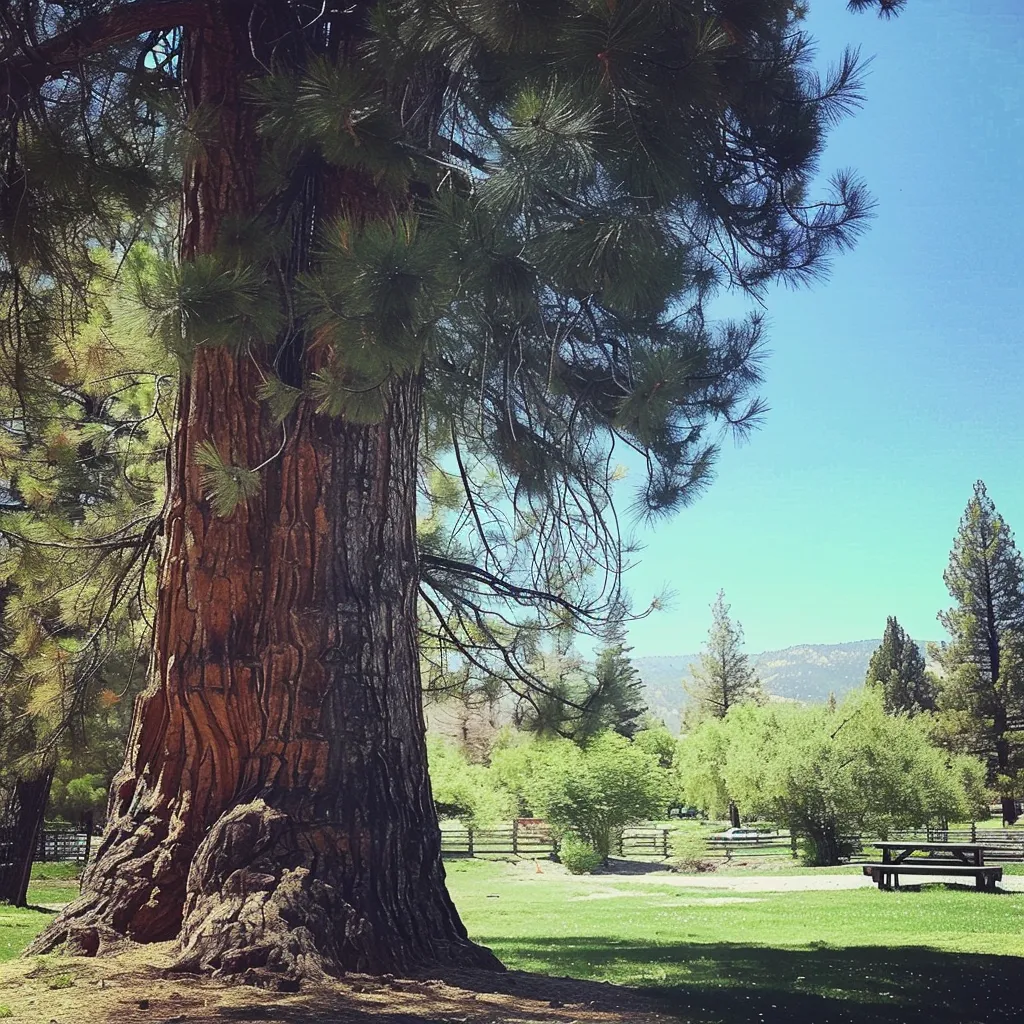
pixel 967 859
pixel 896 852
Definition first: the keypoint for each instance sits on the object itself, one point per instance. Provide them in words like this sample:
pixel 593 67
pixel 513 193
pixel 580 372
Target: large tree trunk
pixel 23 822
pixel 274 810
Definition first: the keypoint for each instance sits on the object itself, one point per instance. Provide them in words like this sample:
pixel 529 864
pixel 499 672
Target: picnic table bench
pixel 968 860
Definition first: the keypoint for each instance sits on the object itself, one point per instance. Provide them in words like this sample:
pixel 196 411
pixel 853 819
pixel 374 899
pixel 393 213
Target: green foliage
pixel 653 738
pixel 699 766
pixel 83 435
pixel 465 791
pixel 897 667
pixel 593 792
pixel 829 774
pixel 530 206
pixel 572 700
pixel 86 794
pixel 280 397
pixel 519 763
pixel 724 678
pixel 579 857
pixel 690 851
pixel 210 300
pixel 225 486
pixel 982 690
pixel 338 112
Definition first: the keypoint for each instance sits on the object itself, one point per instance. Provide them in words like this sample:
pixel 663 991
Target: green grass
pixel 18 928
pixel 51 884
pixel 858 957
pixel 58 871
pixel 934 956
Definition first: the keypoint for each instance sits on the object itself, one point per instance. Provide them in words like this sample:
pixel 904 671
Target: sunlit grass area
pixel 51 886
pixel 934 954
pixel 860 956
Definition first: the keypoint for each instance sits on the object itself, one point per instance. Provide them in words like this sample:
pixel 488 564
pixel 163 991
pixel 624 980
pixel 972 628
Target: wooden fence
pixel 1002 845
pixel 515 840
pixel 60 842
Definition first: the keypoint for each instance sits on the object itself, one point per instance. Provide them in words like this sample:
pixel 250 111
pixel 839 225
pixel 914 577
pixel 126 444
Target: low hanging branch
pixel 25 64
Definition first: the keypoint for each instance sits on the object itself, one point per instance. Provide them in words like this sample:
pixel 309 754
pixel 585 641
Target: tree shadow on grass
pixel 747 984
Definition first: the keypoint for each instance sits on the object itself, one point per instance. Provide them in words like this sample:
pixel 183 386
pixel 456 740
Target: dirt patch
pixel 136 987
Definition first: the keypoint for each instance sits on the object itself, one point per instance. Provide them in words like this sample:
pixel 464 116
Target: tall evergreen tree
pixel 82 444
pixel 413 235
pixel 724 677
pixel 618 690
pixel 983 663
pixel 897 667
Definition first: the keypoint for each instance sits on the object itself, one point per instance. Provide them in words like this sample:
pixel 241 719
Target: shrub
pixel 690 851
pixel 579 857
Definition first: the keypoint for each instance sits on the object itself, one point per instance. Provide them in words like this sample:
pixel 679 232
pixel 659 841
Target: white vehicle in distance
pixel 733 834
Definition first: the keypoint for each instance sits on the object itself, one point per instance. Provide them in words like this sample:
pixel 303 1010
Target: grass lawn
pixel 857 956
pixel 51 884
pixel 716 956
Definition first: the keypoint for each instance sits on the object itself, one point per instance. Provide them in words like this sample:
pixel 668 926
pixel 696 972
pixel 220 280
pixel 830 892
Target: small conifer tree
pixel 898 668
pixel 724 677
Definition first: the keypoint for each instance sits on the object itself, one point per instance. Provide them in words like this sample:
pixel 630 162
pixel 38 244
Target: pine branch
pixel 26 65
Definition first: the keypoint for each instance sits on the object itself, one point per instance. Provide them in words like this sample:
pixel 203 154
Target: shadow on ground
pixel 741 984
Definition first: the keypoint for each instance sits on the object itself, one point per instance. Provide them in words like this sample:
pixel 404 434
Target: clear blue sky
pixel 896 384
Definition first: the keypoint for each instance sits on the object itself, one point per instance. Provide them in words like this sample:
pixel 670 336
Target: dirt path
pixel 811 881
pixel 136 988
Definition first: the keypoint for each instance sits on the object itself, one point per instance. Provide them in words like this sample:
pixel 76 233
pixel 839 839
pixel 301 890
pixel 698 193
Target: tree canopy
pixel 404 255
pixel 724 677
pixel 829 774
pixel 982 696
pixel 897 667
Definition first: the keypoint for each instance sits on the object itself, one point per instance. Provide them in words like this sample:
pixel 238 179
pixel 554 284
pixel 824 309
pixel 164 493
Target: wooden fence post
pixel 664 842
pixel 515 837
pixel 469 841
pixel 974 832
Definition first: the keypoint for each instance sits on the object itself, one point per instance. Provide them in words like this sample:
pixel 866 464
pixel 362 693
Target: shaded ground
pixel 750 984
pixel 135 987
pixel 816 948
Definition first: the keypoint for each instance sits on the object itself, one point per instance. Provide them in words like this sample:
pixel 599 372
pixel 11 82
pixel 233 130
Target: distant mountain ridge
pixel 807 672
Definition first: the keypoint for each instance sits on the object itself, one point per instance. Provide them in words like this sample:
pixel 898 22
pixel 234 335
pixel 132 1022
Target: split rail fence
pixel 517 840
pixel 58 842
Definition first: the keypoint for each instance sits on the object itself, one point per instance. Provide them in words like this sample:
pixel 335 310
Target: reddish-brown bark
pixel 274 809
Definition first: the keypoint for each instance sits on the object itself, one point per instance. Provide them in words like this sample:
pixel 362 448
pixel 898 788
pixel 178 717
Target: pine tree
pixel 82 437
pixel 983 663
pixel 618 694
pixel 724 678
pixel 898 668
pixel 413 235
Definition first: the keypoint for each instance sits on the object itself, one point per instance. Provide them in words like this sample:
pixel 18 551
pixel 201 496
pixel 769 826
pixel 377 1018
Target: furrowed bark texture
pixel 274 810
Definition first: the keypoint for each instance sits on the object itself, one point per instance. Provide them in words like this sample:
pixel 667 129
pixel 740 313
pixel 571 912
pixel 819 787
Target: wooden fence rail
pixel 60 842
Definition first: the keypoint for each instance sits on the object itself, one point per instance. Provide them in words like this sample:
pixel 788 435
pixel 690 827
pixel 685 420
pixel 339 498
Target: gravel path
pixel 812 881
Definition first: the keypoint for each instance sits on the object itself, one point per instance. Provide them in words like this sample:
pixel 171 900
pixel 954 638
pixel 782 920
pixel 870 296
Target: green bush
pixel 579 857
pixel 690 851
